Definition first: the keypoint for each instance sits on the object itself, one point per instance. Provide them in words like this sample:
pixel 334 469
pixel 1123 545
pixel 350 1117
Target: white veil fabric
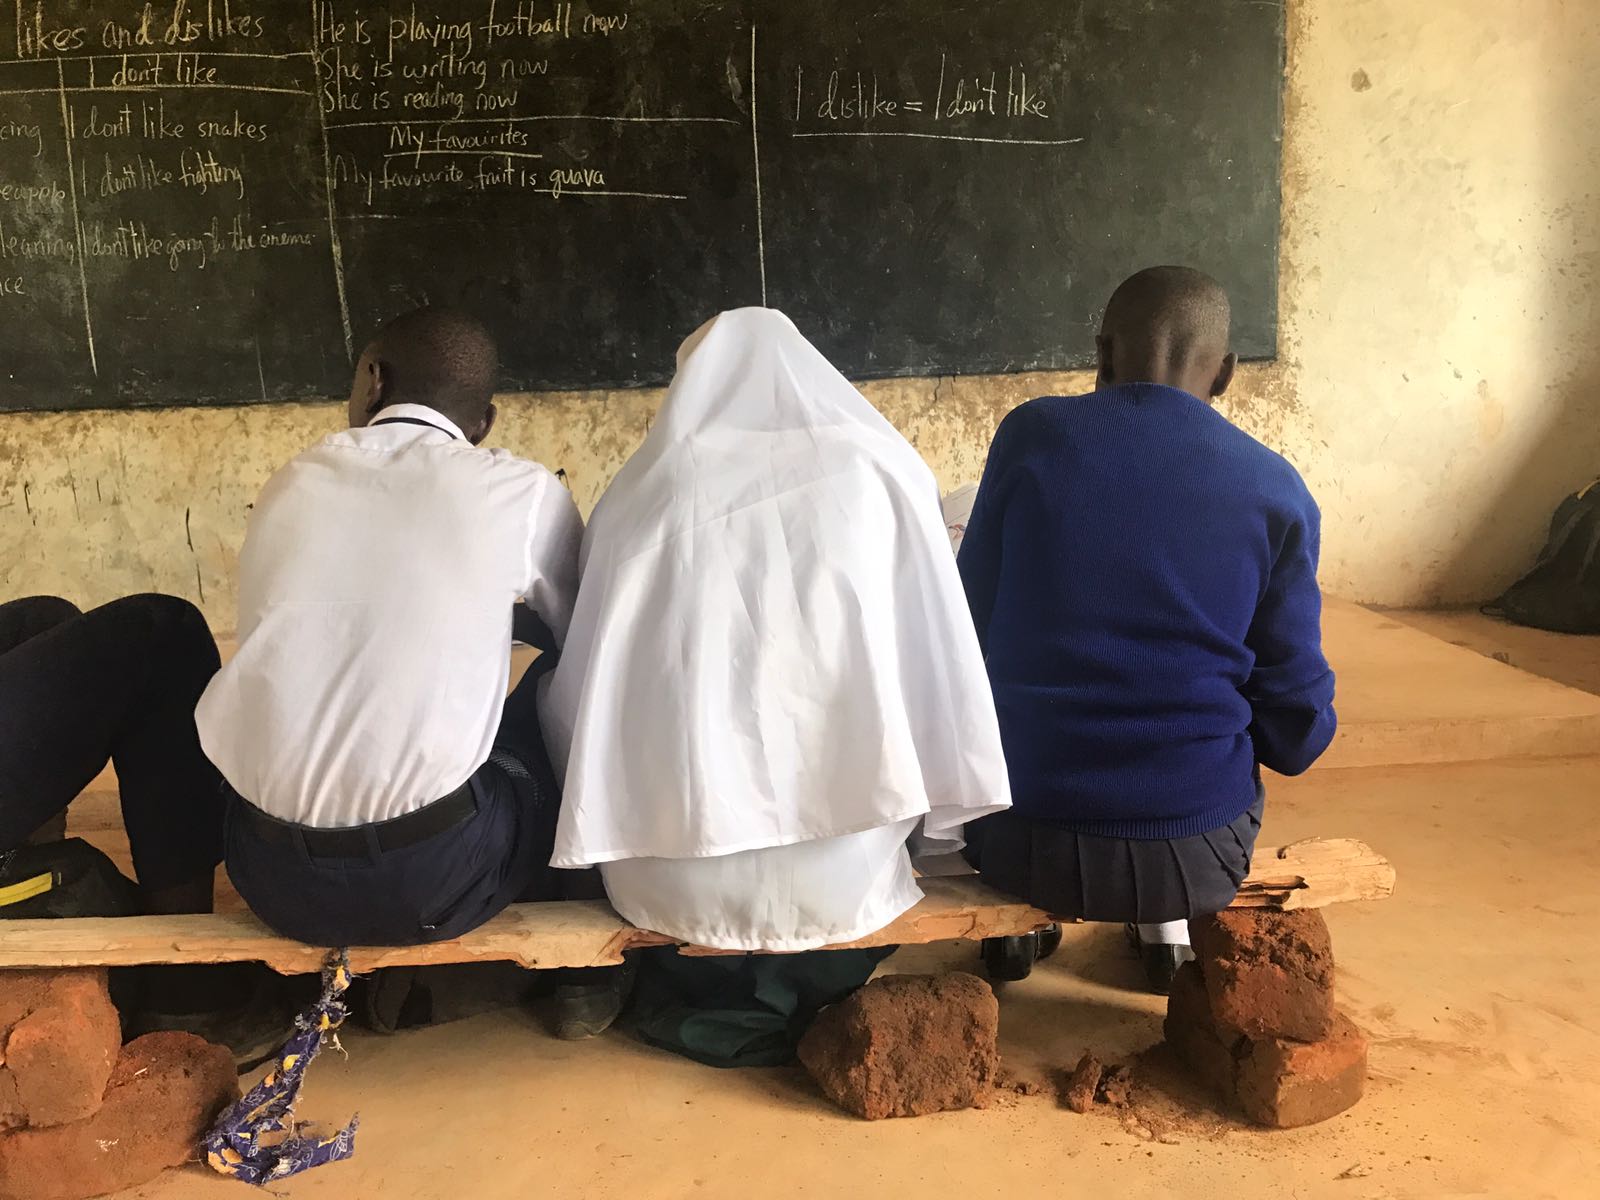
pixel 771 644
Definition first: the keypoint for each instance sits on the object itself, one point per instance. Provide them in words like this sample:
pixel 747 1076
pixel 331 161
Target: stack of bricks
pixel 80 1113
pixel 1253 1017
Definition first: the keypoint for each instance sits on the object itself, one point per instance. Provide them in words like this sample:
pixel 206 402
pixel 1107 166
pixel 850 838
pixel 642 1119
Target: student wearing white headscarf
pixel 771 679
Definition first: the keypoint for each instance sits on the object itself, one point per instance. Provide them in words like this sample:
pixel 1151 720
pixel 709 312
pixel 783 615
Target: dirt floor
pixel 1475 983
pixel 1406 697
pixel 1574 661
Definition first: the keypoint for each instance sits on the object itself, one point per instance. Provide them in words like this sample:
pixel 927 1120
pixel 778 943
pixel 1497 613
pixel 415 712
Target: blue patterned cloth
pixel 258 1140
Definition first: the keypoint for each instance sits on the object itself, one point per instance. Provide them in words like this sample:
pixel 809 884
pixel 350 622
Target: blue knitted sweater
pixel 1143 576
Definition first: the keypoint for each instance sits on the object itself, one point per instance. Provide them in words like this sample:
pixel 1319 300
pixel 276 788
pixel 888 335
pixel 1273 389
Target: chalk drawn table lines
pixel 126 54
pixel 335 247
pixel 535 116
pixel 77 225
pixel 156 87
pixel 503 120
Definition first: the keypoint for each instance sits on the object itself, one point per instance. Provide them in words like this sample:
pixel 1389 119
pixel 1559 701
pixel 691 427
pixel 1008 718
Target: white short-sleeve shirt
pixel 376 585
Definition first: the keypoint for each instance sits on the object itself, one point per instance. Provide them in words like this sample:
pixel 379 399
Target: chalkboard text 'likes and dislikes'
pixel 213 201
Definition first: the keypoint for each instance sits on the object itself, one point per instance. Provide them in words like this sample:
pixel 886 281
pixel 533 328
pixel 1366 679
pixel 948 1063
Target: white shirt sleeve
pixel 556 534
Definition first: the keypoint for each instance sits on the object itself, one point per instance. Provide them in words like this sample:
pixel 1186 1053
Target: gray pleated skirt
pixel 1077 876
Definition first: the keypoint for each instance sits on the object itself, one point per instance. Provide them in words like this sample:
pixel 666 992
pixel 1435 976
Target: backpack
pixel 1562 591
pixel 66 878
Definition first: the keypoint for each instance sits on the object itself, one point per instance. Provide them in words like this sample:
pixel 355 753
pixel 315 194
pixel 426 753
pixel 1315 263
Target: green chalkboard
pixel 214 203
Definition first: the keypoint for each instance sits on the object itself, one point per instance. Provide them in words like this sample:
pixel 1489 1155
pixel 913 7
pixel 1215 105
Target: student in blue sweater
pixel 1143 576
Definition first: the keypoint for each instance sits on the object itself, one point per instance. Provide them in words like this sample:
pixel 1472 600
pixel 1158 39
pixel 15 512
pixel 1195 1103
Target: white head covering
pixel 771 643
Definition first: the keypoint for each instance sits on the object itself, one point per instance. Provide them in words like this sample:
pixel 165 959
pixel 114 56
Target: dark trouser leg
pixel 748 1010
pixel 520 735
pixel 21 620
pixel 117 684
pixel 529 628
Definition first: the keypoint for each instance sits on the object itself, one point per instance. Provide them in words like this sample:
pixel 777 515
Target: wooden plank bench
pixel 575 933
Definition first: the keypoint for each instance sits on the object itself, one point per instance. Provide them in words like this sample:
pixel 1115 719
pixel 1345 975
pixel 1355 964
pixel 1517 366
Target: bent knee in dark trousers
pixel 117 684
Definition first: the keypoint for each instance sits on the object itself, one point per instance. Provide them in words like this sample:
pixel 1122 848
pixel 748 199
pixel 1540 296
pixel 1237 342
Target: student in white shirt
pixel 771 680
pixel 387 790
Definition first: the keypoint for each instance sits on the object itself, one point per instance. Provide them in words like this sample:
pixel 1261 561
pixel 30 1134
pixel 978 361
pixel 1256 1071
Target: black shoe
pixel 1161 963
pixel 398 998
pixel 252 1028
pixel 1049 942
pixel 1161 960
pixel 588 1009
pixel 1010 959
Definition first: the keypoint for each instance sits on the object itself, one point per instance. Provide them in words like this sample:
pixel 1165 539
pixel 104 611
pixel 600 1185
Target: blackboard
pixel 215 201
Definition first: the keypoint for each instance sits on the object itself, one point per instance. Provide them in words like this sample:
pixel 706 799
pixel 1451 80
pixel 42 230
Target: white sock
pixel 1165 933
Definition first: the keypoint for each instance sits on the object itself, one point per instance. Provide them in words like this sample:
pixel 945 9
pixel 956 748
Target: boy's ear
pixel 1104 376
pixel 380 385
pixel 1224 375
pixel 476 436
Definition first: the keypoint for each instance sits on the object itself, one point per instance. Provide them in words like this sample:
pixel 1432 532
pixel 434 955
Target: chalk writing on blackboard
pixel 263 179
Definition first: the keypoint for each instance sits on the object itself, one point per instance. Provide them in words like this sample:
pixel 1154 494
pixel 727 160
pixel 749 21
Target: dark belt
pixel 428 821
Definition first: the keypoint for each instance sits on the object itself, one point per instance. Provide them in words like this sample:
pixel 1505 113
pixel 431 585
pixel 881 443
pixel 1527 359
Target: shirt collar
pixel 419 412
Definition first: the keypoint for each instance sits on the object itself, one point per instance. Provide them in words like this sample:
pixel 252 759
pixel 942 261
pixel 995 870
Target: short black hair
pixel 441 358
pixel 1170 316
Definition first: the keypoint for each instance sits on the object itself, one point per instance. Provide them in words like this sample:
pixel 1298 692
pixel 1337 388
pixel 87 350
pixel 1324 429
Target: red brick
pixel 59 1036
pixel 1269 974
pixel 1193 1033
pixel 164 1093
pixel 1084 1082
pixel 907 1045
pixel 1286 1084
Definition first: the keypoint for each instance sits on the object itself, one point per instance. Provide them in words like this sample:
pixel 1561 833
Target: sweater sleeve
pixel 979 557
pixel 1290 688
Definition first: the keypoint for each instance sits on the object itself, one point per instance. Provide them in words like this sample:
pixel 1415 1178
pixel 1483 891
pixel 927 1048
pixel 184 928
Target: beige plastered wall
pixel 1438 382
